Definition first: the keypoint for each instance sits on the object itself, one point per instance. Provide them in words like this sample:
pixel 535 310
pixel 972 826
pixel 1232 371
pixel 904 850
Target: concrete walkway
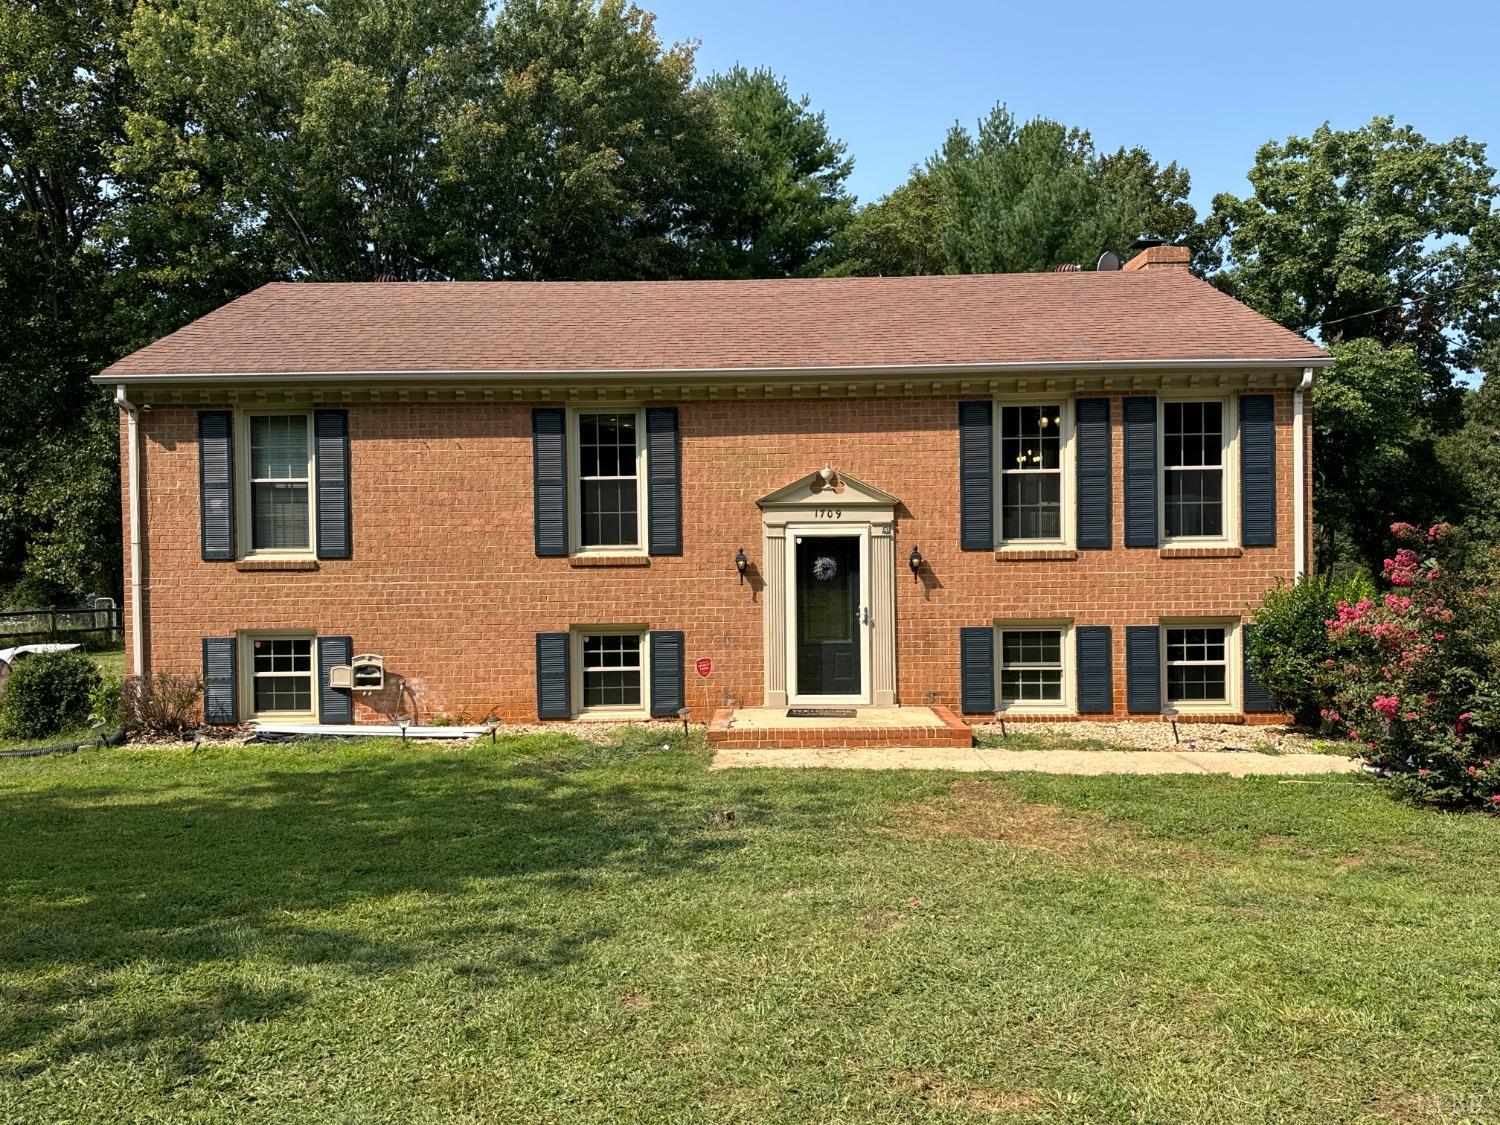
pixel 976 760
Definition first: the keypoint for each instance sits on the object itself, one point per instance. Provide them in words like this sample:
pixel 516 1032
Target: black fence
pixel 102 626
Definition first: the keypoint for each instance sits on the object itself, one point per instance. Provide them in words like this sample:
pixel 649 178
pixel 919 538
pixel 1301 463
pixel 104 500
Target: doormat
pixel 821 713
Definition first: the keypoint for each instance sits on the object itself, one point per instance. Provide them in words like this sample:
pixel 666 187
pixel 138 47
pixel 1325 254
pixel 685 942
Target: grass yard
pixel 544 932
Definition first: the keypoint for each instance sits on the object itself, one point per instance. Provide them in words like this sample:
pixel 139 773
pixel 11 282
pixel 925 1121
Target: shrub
pixel 46 693
pixel 163 704
pixel 1291 639
pixel 104 703
pixel 1411 679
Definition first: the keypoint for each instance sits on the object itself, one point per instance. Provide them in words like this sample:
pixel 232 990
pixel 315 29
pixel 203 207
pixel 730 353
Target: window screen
pixel 1031 669
pixel 282 674
pixel 1193 465
pixel 1197 665
pixel 280 473
pixel 1031 472
pixel 612 670
pixel 609 494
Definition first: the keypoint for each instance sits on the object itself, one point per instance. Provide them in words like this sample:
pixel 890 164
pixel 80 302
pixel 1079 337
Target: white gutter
pixel 919 370
pixel 133 458
pixel 1299 474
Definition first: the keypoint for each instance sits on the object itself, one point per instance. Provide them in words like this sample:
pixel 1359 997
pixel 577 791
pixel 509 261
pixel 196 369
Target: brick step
pixel 953 732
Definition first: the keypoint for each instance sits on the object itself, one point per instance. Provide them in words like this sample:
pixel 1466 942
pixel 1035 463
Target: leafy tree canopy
pixel 787 198
pixel 897 235
pixel 1028 197
pixel 1373 232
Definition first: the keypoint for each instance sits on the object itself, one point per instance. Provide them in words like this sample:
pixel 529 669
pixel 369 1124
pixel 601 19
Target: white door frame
pixel 794 533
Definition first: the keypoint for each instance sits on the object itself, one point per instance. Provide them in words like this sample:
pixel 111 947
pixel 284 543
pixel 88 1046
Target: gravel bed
pixel 586 732
pixel 1158 735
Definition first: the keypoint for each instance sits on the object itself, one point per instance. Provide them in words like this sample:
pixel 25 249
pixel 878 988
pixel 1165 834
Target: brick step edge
pixel 953 733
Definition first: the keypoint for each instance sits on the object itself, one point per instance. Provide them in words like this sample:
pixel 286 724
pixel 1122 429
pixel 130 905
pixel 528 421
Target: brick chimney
pixel 1160 258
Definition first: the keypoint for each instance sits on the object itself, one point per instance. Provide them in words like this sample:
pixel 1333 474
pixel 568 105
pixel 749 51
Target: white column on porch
pixel 773 595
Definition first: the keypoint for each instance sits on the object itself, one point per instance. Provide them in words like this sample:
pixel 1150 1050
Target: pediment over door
pixel 844 491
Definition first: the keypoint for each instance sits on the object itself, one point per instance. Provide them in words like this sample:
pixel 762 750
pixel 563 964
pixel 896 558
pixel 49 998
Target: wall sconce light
pixel 741 564
pixel 914 560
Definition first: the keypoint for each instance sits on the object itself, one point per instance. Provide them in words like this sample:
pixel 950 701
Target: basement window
pixel 611 671
pixel 280 673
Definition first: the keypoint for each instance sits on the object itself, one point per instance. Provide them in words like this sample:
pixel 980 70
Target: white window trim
pixel 1230 451
pixel 1067 519
pixel 575 486
pixel 575 661
pixel 244 501
pixel 1068 705
pixel 1233 688
pixel 245 659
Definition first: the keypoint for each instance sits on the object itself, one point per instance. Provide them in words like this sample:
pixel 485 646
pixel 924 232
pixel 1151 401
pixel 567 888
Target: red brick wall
pixel 445 584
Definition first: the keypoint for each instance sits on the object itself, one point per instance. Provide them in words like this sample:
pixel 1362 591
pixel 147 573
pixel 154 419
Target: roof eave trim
pixel 916 370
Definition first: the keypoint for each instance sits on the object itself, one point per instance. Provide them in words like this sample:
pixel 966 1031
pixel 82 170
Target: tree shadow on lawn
pixel 103 881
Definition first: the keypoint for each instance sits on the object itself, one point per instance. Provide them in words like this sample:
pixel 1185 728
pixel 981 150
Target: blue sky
pixel 1204 84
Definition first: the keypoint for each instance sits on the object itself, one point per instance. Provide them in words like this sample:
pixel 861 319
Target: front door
pixel 827 584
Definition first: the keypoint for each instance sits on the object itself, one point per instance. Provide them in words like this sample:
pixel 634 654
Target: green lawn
pixel 548 933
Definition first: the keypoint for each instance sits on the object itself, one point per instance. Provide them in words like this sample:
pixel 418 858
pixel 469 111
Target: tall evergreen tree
pixel 787 200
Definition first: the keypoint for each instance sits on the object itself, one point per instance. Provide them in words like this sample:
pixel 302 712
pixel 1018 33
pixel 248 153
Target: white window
pixel 275 468
pixel 280 675
pixel 1034 666
pixel 611 671
pixel 1197 479
pixel 1033 454
pixel 1199 664
pixel 608 503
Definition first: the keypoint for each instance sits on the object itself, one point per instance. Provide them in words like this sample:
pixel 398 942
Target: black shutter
pixel 1096 688
pixel 1142 668
pixel 667 647
pixel 1257 471
pixel 1140 471
pixel 216 485
pixel 1257 698
pixel 663 481
pixel 554 699
pixel 335 523
pixel 976 488
pixel 220 681
pixel 335 705
pixel 549 479
pixel 976 655
pixel 1095 505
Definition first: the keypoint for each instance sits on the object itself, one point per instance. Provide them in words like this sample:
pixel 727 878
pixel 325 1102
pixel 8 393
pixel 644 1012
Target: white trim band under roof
pixel 943 370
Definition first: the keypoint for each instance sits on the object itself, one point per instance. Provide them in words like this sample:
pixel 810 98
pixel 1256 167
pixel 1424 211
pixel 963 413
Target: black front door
pixel 828 607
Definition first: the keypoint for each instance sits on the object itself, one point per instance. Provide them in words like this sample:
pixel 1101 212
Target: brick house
pixel 1042 495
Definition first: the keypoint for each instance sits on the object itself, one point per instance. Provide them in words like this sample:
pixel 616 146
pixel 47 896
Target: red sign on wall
pixel 705 667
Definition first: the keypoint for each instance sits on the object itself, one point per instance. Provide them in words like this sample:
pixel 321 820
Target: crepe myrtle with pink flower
pixel 1413 678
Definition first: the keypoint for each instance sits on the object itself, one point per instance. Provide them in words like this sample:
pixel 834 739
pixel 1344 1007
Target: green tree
pixel 1375 233
pixel 1028 197
pixel 787 199
pixel 1384 246
pixel 899 234
pixel 591 153
pixel 1471 454
pixel 63 85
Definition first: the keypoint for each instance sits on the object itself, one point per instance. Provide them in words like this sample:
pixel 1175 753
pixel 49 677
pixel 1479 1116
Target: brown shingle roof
pixel 1143 316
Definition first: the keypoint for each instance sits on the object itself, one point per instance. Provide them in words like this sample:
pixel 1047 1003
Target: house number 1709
pixel 830 513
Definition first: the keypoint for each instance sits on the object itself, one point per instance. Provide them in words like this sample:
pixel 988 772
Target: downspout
pixel 1299 473
pixel 133 460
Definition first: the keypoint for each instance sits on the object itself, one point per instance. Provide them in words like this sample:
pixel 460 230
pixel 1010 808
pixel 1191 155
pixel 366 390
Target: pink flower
pixel 1421 773
pixel 1387 705
pixel 1495 800
pixel 1463 722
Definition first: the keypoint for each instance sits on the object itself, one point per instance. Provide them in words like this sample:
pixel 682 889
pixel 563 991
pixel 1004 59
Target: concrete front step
pixel 871 728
